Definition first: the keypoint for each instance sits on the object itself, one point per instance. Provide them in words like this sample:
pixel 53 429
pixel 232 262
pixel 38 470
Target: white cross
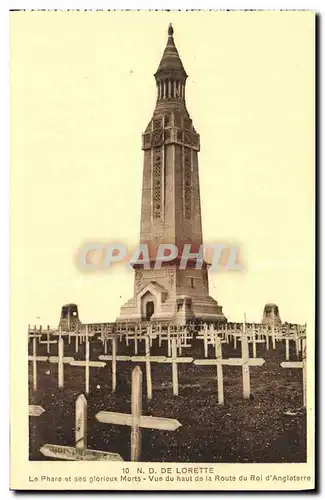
pixel 114 358
pixel 287 345
pixel 60 360
pixel 218 362
pixel 48 341
pixel 136 420
pixel 251 339
pixel 78 338
pixel 34 358
pixel 87 363
pixel 148 360
pixel 175 360
pixel 204 336
pixel 300 364
pixel 80 450
pixel 32 333
pixel 245 362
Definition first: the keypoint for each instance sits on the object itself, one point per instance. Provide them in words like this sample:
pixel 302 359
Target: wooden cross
pixel 245 362
pixel 80 450
pixel 213 335
pixel 175 360
pixel 134 359
pixel 60 359
pixel 78 338
pixel 252 340
pixel 234 337
pixel 114 364
pixel 182 338
pixel 218 362
pixel 105 345
pixel 297 341
pixel 159 332
pixel 300 364
pixel 168 341
pixel 87 363
pixel 136 420
pixel 34 333
pixel 35 359
pixel 152 335
pixel 287 349
pixel 245 366
pixel 218 352
pixel 205 339
pixel 287 346
pixel 165 336
pixel 137 336
pixel 273 334
pixel 148 368
pixel 267 338
pixel 148 360
pixel 208 337
pixel 48 341
pixel 114 358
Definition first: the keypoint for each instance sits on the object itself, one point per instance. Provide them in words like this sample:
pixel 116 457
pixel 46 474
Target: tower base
pixel 153 303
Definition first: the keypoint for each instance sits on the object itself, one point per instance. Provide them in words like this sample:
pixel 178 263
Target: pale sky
pixel 83 92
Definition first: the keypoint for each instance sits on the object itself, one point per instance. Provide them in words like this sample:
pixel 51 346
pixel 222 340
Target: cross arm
pixel 166 424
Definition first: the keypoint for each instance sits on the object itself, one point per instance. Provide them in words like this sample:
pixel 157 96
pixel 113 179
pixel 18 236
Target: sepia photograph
pixel 162 249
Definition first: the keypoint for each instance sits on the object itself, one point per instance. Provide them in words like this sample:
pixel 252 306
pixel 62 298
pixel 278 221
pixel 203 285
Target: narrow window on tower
pixel 156 178
pixel 192 282
pixel 187 183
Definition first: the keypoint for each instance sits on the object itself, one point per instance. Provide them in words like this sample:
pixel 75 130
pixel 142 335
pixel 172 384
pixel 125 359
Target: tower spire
pixel 170 75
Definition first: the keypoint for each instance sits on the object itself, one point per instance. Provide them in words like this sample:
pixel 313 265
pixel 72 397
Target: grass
pixel 241 431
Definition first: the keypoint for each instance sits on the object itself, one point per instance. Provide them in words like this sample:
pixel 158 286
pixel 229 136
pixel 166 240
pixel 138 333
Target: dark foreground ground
pixel 241 431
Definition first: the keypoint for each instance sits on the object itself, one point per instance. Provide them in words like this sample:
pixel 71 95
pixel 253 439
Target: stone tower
pixel 171 211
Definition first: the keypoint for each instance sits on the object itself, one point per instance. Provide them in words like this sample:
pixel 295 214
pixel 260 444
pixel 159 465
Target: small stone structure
pixel 69 317
pixel 271 315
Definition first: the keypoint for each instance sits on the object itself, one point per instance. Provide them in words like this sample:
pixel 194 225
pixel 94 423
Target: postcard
pixel 162 250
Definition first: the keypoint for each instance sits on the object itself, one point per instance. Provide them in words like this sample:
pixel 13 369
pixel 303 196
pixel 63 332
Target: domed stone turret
pixel 271 315
pixel 69 317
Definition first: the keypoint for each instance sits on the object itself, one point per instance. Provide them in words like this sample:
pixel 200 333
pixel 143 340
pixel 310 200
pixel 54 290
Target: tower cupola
pixel 170 75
